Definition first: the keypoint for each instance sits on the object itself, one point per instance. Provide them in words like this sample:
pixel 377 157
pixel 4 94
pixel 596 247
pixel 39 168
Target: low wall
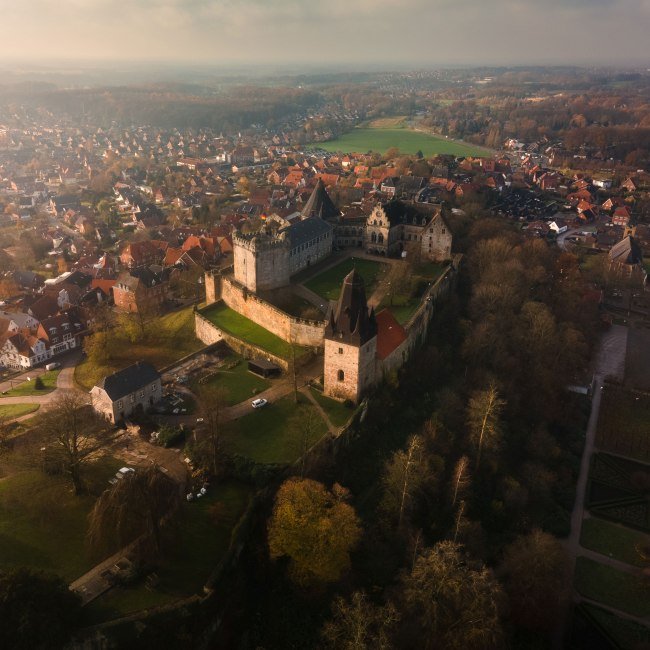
pixel 308 333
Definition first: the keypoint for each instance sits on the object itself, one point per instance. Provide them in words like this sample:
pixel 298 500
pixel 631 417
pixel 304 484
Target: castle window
pixel 340 350
pixel 340 375
pixel 380 239
pixel 443 231
pixel 373 237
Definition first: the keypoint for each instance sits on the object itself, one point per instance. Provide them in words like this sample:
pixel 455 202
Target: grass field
pixel 169 338
pixel 612 539
pixel 243 328
pixel 27 387
pixel 11 411
pixel 275 433
pixel 43 524
pixel 328 283
pixel 628 634
pixel 623 423
pixel 622 591
pixel 204 534
pixel 336 411
pixel 404 306
pixel 237 382
pixel 380 139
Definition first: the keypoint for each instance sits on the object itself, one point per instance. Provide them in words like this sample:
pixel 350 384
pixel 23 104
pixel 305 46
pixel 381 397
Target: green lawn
pixel 42 523
pixel 628 634
pixel 204 534
pixel 238 383
pixel 11 411
pixel 363 140
pixel 404 306
pixel 336 411
pixel 243 328
pixel 328 283
pixel 27 387
pixel 612 539
pixel 622 591
pixel 275 433
pixel 623 423
pixel 169 338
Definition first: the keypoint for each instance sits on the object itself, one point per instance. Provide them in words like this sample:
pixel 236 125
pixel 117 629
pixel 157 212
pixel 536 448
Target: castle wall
pixel 209 333
pixel 297 330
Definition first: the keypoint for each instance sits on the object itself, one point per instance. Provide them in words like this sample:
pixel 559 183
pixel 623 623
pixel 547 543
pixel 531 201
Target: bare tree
pixel 461 479
pixel 483 414
pixel 70 428
pixel 139 505
pixel 212 403
pixel 359 624
pixel 404 476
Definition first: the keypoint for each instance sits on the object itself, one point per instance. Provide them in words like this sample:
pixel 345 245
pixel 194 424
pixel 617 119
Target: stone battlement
pixel 259 241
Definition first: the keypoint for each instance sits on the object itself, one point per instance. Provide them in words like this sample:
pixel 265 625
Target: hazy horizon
pixel 285 33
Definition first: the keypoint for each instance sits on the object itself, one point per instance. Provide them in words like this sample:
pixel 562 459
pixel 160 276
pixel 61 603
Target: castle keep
pixel 358 345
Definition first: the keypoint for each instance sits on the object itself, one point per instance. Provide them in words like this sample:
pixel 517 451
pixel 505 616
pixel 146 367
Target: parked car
pixel 52 366
pixel 122 473
pixel 259 403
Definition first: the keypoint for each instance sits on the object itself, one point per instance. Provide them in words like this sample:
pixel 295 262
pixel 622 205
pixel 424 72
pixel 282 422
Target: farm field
pixel 622 591
pixel 408 141
pixel 623 423
pixel 328 283
pixel 614 540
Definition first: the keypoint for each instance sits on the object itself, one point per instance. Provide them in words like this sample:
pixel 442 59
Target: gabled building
pixel 140 291
pixel 128 391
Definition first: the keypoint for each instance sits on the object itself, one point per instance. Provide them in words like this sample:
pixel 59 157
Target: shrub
pixel 170 436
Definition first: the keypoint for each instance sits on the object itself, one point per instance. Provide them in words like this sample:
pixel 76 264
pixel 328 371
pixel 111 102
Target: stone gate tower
pixel 350 343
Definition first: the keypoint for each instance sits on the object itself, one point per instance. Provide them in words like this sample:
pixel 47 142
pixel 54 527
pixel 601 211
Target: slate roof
pixel 306 230
pixel 319 204
pixel 351 321
pixel 129 380
pixel 627 251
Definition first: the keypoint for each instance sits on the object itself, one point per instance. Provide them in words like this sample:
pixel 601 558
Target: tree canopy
pixel 315 528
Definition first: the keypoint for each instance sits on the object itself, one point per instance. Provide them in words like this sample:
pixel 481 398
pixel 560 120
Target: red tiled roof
pixel 390 333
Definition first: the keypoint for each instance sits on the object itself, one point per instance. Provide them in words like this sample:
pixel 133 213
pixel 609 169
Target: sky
pixel 421 33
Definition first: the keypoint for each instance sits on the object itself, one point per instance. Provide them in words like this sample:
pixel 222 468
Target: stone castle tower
pixel 261 259
pixel 350 343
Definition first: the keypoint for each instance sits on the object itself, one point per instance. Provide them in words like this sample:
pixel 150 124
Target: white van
pixel 52 366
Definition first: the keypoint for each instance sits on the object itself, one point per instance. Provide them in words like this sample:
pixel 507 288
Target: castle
pixel 358 345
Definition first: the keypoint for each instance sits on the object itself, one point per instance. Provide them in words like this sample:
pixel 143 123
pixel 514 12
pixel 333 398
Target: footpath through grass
pixel 328 283
pixel 622 591
pixel 243 328
pixel 613 540
pixel 11 411
pixel 336 411
pixel 167 339
pixel 408 141
pixel 28 387
pixel 277 433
